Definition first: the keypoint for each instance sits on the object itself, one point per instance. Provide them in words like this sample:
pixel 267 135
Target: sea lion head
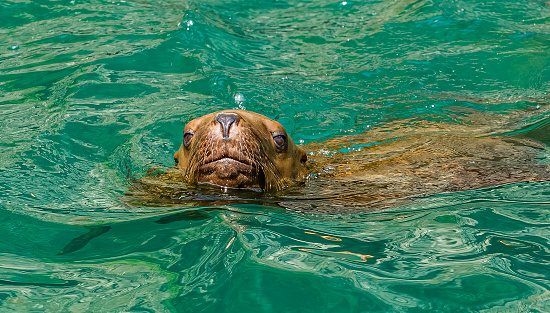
pixel 240 149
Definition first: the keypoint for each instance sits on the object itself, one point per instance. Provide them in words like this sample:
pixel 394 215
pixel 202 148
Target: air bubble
pixel 239 98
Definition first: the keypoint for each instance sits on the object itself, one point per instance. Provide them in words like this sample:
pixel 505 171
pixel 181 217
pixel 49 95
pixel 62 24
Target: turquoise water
pixel 94 92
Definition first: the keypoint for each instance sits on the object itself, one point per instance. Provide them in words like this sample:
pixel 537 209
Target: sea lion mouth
pixel 230 172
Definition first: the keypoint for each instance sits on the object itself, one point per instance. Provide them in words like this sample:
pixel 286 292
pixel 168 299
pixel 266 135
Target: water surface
pixel 95 92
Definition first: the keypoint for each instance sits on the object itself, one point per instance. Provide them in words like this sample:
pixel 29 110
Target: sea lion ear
pixel 303 155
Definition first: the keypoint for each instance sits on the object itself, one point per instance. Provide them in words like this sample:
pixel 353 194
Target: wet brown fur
pixel 247 159
pixel 392 165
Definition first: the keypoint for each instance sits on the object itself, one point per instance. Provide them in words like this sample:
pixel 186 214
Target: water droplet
pixel 239 98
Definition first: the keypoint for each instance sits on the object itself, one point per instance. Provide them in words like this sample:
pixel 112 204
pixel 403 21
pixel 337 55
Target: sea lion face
pixel 240 149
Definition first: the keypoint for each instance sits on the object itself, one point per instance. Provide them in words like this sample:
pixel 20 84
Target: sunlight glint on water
pixel 94 92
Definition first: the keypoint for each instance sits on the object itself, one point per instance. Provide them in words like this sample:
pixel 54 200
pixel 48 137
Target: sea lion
pixel 384 167
pixel 240 149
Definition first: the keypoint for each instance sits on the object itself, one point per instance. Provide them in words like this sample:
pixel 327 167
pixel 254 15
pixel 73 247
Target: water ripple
pixel 95 92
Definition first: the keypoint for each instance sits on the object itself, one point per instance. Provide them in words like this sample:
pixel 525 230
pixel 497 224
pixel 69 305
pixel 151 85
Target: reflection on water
pixel 472 255
pixel 94 93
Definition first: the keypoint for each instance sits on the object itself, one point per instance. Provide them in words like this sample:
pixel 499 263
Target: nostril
pixel 226 120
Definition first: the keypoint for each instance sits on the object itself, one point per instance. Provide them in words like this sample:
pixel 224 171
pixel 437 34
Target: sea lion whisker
pixel 269 167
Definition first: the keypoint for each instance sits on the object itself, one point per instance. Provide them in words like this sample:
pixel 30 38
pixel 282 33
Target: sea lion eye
pixel 279 139
pixel 187 136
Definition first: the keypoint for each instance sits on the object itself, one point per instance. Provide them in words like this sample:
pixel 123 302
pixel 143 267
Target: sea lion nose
pixel 226 120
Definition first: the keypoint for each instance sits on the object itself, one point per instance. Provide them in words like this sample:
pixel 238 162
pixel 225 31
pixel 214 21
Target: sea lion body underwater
pixel 384 167
pixel 239 149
